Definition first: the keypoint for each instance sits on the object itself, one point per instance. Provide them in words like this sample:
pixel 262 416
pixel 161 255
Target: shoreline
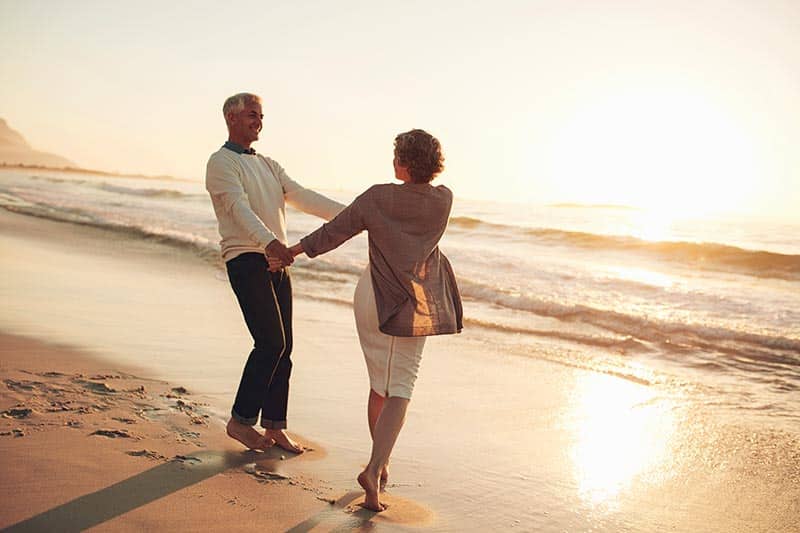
pixel 92 172
pixel 493 440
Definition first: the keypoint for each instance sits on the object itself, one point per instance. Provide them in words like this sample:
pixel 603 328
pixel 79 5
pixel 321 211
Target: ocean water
pixel 710 307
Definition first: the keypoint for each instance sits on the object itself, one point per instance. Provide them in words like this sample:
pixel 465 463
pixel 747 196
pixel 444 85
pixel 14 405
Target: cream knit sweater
pixel 249 193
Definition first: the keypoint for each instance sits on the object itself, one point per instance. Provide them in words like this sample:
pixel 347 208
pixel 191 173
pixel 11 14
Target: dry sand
pixel 87 445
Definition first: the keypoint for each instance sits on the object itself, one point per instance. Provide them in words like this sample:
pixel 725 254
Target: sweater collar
pixel 238 148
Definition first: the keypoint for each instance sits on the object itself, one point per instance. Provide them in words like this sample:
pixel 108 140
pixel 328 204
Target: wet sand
pixel 495 439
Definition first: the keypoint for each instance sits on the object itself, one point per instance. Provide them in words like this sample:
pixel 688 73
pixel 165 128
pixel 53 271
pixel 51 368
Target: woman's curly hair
pixel 421 153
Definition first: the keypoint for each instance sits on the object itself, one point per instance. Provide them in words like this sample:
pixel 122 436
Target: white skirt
pixel 392 362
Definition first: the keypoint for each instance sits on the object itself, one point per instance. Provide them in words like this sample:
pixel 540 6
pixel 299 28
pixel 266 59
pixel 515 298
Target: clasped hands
pixel 279 256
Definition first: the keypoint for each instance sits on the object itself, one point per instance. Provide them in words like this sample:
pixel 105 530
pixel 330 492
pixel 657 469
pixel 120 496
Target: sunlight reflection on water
pixel 622 434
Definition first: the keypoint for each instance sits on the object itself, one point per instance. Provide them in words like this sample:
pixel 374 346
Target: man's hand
pixel 276 250
pixel 274 264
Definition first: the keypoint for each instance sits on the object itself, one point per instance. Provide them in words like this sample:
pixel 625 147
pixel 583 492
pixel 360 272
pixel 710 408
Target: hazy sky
pixel 692 104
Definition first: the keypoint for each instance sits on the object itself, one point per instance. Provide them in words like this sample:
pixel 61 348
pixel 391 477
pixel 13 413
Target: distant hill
pixel 15 150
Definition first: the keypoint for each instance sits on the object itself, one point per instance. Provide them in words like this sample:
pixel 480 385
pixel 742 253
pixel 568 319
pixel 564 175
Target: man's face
pixel 246 125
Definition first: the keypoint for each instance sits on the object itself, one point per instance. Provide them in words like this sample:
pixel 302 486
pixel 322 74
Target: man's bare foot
pixel 384 478
pixel 370 485
pixel 279 437
pixel 247 435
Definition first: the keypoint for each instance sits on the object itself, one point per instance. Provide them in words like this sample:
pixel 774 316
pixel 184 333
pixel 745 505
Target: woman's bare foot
pixel 384 478
pixel 279 437
pixel 247 435
pixel 370 485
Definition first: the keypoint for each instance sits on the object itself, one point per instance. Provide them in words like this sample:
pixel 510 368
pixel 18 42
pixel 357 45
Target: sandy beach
pixel 120 358
pixel 90 446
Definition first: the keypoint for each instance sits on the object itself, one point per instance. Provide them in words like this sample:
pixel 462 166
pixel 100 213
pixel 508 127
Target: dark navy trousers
pixel 266 301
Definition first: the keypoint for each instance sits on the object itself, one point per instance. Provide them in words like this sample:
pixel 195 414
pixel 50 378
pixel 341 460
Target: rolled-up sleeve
pixel 224 184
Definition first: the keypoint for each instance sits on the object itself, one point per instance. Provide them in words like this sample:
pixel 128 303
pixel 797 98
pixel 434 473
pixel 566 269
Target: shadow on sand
pixel 141 489
pixel 360 520
pixel 93 509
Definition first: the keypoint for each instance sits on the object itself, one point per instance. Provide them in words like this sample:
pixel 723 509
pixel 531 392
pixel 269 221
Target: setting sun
pixel 665 150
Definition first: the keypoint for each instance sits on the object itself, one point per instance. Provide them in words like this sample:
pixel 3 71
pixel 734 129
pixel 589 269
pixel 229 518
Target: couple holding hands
pixel 407 292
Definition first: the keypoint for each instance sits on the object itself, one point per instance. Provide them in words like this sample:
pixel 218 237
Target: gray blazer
pixel 415 288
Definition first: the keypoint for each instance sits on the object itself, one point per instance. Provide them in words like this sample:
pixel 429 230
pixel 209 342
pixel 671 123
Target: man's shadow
pixel 95 508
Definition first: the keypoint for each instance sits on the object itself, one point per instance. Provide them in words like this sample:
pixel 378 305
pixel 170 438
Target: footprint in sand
pixel 113 433
pixel 17 412
pixel 264 476
pixel 146 453
pixel 22 385
pixel 99 388
pixel 59 406
pixel 399 511
pixel 51 374
pixel 102 377
pixel 186 459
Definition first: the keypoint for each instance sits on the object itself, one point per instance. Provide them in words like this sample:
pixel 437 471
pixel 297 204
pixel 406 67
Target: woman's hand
pixel 280 252
pixel 274 263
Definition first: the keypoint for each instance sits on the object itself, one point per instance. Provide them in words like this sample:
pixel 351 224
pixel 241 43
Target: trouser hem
pixel 273 424
pixel 242 420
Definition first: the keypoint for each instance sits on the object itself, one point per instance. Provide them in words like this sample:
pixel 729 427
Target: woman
pixel 407 292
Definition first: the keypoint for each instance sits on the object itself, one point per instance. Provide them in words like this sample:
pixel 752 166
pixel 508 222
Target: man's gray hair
pixel 235 103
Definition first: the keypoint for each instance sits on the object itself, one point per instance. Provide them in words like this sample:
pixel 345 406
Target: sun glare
pixel 621 434
pixel 653 224
pixel 641 275
pixel 664 151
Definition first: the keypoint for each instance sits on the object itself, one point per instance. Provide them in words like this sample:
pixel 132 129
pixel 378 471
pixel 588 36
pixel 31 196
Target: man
pixel 249 193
